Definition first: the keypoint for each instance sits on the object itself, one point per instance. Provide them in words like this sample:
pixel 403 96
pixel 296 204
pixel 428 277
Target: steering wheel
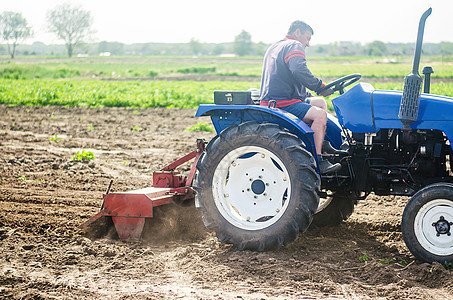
pixel 341 83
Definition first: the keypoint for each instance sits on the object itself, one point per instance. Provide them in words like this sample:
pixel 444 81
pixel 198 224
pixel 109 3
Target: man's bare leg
pixel 318 119
pixel 318 102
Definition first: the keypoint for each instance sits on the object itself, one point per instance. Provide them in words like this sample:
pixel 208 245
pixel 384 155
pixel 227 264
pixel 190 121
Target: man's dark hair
pixel 302 26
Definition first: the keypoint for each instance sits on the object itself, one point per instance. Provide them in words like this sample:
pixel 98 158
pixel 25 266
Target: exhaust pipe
pixel 410 100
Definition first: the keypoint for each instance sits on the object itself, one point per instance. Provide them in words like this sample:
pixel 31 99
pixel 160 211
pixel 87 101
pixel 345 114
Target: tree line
pixel 196 48
pixel 72 25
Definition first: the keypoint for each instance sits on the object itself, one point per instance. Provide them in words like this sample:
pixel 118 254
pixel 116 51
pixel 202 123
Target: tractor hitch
pixel 129 210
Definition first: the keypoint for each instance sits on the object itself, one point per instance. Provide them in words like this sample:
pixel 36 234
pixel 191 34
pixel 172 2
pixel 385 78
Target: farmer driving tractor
pixel 285 80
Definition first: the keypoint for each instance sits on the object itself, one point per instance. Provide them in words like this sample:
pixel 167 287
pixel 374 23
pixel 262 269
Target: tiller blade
pixel 129 209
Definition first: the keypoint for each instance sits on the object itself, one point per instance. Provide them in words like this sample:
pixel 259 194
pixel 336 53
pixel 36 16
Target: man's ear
pixel 296 33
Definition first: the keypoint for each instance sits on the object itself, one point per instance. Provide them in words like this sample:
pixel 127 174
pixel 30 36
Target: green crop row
pixel 94 93
pixel 143 94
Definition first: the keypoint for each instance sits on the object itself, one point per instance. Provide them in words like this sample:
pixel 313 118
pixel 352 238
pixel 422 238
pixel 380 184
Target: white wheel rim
pixel 323 203
pixel 434 227
pixel 251 188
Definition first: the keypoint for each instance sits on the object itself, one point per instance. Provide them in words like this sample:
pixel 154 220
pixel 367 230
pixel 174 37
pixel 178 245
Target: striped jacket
pixel 285 76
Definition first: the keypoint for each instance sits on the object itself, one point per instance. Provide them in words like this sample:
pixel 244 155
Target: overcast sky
pixel 176 21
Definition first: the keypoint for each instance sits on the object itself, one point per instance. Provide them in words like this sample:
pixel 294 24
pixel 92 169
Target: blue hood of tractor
pixel 363 109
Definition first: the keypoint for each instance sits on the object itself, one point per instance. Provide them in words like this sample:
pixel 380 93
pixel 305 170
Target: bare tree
pixel 14 29
pixel 72 24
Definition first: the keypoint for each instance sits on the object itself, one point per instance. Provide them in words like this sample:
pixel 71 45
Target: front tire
pixel 427 224
pixel 257 186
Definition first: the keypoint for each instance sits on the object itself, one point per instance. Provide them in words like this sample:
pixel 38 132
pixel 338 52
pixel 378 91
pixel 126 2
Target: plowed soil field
pixel 45 196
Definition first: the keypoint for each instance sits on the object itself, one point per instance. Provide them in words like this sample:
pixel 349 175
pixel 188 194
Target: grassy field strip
pixel 141 94
pixel 146 67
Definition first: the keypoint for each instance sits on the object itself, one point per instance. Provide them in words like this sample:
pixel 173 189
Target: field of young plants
pixel 179 82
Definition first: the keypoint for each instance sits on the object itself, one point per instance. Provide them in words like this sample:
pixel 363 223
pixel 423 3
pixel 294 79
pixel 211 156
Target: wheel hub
pixel 258 186
pixel 443 226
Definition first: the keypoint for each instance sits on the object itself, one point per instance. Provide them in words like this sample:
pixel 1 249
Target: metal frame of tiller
pixel 129 209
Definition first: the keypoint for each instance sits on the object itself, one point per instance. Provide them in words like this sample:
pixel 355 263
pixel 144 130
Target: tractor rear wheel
pixel 335 209
pixel 427 224
pixel 256 186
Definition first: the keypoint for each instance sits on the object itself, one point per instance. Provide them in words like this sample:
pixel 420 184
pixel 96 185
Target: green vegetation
pixel 84 155
pixel 387 261
pixel 375 70
pixel 24 179
pixel 401 262
pixel 141 94
pixel 201 126
pixel 197 70
pixel 137 128
pixel 143 82
pixel 120 68
pixel 55 138
pixel 93 93
pixel 13 71
pixel 127 67
pixel 364 257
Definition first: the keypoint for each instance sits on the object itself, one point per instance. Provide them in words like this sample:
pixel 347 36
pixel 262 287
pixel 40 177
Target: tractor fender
pixel 224 116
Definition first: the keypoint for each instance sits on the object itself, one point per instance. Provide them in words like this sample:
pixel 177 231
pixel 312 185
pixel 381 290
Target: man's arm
pixel 297 64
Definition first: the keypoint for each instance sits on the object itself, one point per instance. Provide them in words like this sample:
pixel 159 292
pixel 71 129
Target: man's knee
pixel 316 114
pixel 318 102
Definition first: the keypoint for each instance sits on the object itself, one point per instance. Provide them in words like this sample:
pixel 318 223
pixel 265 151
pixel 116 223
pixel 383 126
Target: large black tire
pixel 427 224
pixel 256 186
pixel 336 209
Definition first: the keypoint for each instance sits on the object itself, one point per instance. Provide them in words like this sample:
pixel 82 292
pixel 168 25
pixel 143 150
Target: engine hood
pixel 363 109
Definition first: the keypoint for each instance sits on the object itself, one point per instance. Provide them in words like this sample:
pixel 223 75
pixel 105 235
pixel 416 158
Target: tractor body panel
pixel 365 110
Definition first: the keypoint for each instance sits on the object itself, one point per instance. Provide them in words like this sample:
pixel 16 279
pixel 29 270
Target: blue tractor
pixel 258 184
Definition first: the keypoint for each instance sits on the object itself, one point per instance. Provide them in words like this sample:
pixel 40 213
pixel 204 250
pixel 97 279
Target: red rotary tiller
pixel 129 209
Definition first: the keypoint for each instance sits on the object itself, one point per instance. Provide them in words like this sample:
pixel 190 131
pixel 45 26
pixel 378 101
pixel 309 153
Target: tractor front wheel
pixel 427 224
pixel 257 186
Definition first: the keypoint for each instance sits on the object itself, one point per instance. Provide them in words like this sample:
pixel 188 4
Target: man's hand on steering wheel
pixel 326 92
pixel 338 85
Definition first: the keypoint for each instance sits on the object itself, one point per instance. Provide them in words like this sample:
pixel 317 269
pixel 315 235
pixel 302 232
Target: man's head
pixel 301 31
